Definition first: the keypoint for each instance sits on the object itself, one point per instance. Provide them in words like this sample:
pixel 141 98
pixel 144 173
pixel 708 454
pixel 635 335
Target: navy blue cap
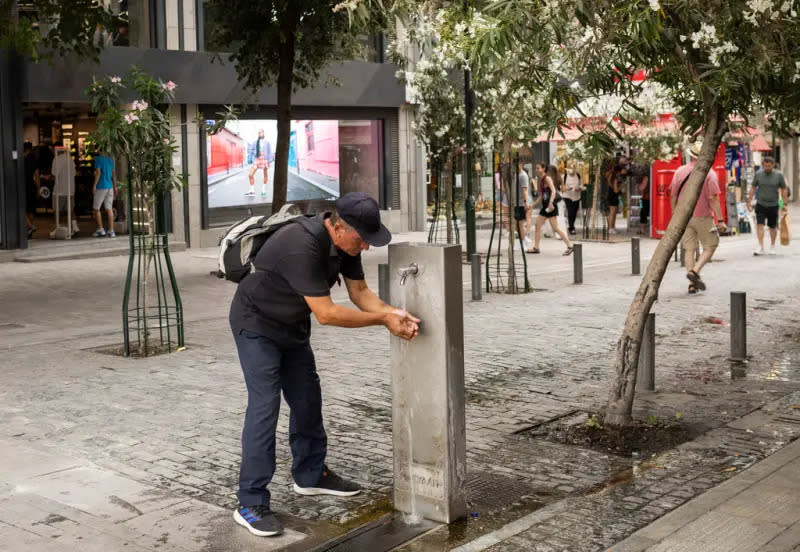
pixel 362 213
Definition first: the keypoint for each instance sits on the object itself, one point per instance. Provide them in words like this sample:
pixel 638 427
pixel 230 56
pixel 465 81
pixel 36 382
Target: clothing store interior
pixel 59 171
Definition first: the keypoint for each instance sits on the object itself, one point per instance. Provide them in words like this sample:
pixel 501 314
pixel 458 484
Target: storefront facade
pixel 352 136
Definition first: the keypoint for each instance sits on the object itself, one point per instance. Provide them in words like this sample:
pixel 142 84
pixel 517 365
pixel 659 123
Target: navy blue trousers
pixel 268 370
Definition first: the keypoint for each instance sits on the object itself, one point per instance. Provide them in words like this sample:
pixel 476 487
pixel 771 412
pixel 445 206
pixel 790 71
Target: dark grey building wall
pixel 203 81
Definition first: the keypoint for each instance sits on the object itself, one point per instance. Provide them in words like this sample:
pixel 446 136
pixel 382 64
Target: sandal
pixel 568 251
pixel 533 250
pixel 692 289
pixel 694 277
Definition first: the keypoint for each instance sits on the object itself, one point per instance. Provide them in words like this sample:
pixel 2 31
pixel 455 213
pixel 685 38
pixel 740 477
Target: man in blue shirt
pixel 105 188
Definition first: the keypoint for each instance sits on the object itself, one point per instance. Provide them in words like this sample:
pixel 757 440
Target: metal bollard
pixel 383 282
pixel 476 277
pixel 646 371
pixel 676 254
pixel 577 262
pixel 635 264
pixel 738 325
pixel 683 256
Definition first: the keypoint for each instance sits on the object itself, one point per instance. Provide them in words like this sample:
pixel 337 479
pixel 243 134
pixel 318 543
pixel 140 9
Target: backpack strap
pixel 316 229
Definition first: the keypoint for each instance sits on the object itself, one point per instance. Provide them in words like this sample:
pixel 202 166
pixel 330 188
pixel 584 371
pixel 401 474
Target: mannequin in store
pixel 64 174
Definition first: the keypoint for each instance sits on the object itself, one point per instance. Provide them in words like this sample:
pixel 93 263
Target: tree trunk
pixel 620 401
pixel 449 201
pixel 510 194
pixel 285 83
pixel 598 183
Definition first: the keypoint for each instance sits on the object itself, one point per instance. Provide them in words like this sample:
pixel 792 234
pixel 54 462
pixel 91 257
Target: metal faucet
pixel 412 269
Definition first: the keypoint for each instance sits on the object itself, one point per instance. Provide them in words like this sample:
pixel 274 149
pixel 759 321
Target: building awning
pixel 577 127
pixel 760 144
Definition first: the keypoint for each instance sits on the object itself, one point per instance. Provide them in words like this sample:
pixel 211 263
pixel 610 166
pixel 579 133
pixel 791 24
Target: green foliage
pixel 48 27
pixel 140 132
pixel 593 422
pixel 738 57
pixel 255 34
pixel 221 118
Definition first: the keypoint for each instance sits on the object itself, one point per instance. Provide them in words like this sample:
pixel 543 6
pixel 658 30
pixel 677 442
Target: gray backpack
pixel 241 242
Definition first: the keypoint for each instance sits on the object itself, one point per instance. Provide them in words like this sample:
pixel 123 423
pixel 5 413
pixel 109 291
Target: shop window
pixel 131 28
pixel 372 47
pixel 327 158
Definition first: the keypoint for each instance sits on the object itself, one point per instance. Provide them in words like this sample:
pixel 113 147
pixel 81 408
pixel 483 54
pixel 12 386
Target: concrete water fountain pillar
pixel 428 421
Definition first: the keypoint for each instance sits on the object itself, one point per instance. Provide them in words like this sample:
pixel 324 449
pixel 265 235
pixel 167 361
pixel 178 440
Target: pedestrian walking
pixel 270 318
pixel 523 191
pixel 701 228
pixel 770 185
pixel 572 196
pixel 644 208
pixel 616 181
pixel 548 195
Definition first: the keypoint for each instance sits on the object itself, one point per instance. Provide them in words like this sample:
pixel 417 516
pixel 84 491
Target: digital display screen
pixel 327 158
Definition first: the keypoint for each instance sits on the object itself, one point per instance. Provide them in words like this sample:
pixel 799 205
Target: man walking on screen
pixel 261 152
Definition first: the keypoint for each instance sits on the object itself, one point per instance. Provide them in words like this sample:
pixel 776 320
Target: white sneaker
pixel 772 251
pixel 111 234
pixel 759 251
pixel 612 231
pixel 75 227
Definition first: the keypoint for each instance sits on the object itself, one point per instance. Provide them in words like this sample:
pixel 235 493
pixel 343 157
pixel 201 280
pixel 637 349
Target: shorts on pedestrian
pixel 554 213
pixel 103 198
pixel 613 198
pixel 768 215
pixel 699 231
pixel 261 163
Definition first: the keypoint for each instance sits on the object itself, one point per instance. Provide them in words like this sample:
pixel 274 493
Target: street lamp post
pixel 469 203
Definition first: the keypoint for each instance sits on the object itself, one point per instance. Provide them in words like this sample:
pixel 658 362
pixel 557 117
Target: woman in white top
pixel 572 197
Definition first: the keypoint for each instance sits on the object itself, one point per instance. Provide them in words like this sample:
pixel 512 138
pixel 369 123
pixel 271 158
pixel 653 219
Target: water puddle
pixel 623 477
pixel 784 369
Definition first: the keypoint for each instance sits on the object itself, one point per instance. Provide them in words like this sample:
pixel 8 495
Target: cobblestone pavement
pixel 173 421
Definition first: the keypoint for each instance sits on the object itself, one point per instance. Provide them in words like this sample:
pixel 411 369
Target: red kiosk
pixel 661 178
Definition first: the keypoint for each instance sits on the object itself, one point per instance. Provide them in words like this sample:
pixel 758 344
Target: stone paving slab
pixel 718 532
pixel 90 508
pixel 747 512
